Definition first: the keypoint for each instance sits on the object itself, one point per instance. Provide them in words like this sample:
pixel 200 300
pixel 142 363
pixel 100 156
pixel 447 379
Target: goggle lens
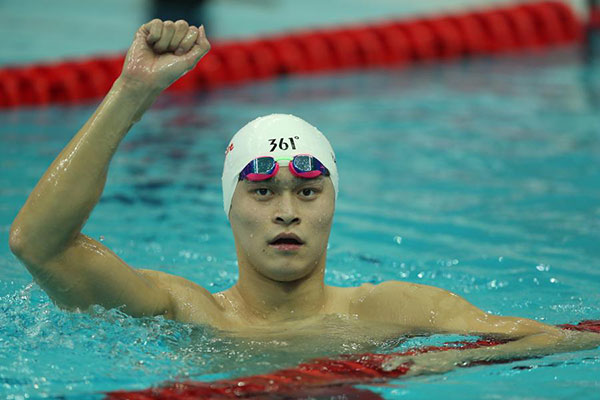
pixel 263 165
pixel 303 165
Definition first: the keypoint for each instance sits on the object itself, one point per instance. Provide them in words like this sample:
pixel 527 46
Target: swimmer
pixel 280 184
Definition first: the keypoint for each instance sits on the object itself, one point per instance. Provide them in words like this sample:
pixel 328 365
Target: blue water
pixel 481 177
pixel 73 28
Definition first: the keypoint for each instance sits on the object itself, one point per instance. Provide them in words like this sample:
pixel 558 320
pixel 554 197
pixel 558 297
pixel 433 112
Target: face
pixel 284 204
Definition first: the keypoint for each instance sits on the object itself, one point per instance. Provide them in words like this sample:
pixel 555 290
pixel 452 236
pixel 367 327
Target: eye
pixel 262 192
pixel 308 192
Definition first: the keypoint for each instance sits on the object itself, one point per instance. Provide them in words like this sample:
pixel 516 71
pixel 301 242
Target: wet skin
pixel 283 204
pixel 279 289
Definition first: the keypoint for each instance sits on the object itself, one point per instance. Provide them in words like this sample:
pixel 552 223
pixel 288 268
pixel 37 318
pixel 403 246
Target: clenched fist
pixel 162 52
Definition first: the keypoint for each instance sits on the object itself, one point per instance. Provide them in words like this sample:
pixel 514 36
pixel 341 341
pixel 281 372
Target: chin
pixel 286 273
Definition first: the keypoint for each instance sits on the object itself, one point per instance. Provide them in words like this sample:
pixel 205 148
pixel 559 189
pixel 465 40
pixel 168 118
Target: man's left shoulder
pixel 411 305
pixel 408 294
pixel 399 288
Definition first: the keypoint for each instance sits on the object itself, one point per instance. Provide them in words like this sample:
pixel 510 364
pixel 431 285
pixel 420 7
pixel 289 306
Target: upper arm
pixel 457 315
pixel 190 302
pixel 428 309
pixel 86 272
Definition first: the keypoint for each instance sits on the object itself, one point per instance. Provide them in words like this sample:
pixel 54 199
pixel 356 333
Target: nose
pixel 286 212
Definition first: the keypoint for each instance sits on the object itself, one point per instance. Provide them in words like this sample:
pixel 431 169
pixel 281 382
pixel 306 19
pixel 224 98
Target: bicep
pixel 87 273
pixel 427 309
pixel 457 315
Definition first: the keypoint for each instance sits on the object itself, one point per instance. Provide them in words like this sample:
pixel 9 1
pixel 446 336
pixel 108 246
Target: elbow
pixel 20 245
pixel 16 241
pixel 31 247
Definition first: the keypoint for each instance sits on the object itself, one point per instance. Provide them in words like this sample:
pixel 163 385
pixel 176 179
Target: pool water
pixel 481 177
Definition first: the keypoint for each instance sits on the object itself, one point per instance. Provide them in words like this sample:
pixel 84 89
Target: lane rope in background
pixel 523 27
pixel 320 378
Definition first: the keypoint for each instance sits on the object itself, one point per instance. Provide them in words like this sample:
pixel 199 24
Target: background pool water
pixel 481 177
pixel 73 28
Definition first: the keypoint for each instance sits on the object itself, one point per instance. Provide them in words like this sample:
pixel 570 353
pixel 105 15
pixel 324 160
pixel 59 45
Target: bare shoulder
pixel 190 302
pixel 429 309
pixel 398 289
pixel 409 304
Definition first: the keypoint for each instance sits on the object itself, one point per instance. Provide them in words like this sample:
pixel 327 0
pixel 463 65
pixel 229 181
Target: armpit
pixel 190 302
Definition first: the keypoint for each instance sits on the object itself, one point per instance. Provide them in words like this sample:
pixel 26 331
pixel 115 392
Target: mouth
pixel 286 242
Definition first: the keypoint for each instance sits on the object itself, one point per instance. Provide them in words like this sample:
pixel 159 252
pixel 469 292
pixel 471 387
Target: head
pixel 280 224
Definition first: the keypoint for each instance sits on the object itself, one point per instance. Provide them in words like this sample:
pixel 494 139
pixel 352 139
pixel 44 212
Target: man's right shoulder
pixel 190 302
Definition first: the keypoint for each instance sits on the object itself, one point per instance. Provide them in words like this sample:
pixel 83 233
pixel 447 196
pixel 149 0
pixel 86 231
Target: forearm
pixel 531 346
pixel 62 200
pixel 535 346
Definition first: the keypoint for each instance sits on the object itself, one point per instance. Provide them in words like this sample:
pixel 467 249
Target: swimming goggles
pixel 301 165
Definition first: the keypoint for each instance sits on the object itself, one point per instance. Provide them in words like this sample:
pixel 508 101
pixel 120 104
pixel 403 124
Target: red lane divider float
pixel 515 28
pixel 594 17
pixel 320 378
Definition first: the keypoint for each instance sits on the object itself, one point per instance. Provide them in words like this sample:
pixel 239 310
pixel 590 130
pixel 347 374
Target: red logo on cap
pixel 228 149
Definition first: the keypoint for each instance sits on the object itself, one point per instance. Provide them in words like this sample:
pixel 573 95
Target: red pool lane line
pixel 495 31
pixel 320 378
pixel 594 16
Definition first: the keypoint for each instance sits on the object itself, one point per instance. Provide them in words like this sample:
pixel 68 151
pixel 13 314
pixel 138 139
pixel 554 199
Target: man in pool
pixel 280 187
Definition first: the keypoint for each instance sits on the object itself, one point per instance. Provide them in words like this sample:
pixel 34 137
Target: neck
pixel 264 299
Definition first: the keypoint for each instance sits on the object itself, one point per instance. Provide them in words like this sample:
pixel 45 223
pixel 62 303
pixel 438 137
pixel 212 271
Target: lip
pixel 286 246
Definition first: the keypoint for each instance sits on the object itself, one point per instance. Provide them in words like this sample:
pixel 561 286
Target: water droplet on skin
pixel 432 317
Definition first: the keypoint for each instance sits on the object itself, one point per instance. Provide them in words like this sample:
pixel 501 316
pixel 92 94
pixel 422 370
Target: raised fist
pixel 162 52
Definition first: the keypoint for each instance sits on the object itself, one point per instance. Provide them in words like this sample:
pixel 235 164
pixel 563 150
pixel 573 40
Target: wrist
pixel 135 95
pixel 135 88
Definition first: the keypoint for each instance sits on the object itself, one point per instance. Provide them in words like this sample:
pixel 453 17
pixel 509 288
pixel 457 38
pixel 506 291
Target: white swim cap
pixel 276 135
